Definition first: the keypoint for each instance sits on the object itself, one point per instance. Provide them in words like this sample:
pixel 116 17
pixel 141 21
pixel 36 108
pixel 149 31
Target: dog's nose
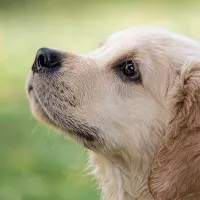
pixel 47 58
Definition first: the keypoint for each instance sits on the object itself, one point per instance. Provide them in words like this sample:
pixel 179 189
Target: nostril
pixel 41 60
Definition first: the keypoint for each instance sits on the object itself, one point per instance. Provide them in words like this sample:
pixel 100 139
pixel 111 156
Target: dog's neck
pixel 122 171
pixel 122 178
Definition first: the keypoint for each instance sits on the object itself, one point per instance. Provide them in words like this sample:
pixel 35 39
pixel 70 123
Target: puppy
pixel 134 103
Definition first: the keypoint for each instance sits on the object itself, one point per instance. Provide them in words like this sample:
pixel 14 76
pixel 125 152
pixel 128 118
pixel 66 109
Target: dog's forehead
pixel 131 39
pixel 143 39
pixel 138 35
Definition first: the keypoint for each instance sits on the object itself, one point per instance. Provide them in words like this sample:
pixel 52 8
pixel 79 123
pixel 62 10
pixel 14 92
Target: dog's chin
pixel 83 134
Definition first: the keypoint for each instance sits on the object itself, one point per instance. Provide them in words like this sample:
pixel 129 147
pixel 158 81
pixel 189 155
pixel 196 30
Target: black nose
pixel 47 58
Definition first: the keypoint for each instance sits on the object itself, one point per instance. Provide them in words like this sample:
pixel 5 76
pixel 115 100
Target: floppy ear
pixel 175 170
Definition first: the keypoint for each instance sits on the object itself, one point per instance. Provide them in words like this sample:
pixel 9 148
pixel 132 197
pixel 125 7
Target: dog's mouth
pixel 30 88
pixel 87 135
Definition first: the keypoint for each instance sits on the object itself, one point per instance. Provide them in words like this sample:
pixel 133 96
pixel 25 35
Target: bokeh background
pixel 35 162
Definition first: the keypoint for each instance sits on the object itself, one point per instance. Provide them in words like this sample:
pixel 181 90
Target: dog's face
pixel 115 97
pixel 107 97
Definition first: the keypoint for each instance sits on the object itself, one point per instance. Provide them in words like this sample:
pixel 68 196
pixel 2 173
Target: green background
pixel 35 162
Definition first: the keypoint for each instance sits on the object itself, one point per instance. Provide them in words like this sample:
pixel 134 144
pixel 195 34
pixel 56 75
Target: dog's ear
pixel 175 170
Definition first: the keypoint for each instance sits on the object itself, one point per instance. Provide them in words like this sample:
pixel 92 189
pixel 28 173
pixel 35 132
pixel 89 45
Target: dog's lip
pixel 30 88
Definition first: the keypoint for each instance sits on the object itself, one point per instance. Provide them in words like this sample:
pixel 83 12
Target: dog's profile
pixel 134 103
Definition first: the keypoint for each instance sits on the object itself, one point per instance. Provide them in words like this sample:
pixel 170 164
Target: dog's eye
pixel 130 71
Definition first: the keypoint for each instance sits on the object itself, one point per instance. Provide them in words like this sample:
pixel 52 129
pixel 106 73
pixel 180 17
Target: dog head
pixel 123 96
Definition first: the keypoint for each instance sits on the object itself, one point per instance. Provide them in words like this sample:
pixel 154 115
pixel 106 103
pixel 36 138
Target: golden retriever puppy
pixel 134 103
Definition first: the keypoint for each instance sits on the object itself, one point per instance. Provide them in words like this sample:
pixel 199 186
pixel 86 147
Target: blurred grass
pixel 36 163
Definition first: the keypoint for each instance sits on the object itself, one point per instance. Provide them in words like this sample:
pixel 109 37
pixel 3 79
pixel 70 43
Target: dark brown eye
pixel 129 69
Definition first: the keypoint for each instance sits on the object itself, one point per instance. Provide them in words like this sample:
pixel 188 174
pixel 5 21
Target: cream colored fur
pixel 131 119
